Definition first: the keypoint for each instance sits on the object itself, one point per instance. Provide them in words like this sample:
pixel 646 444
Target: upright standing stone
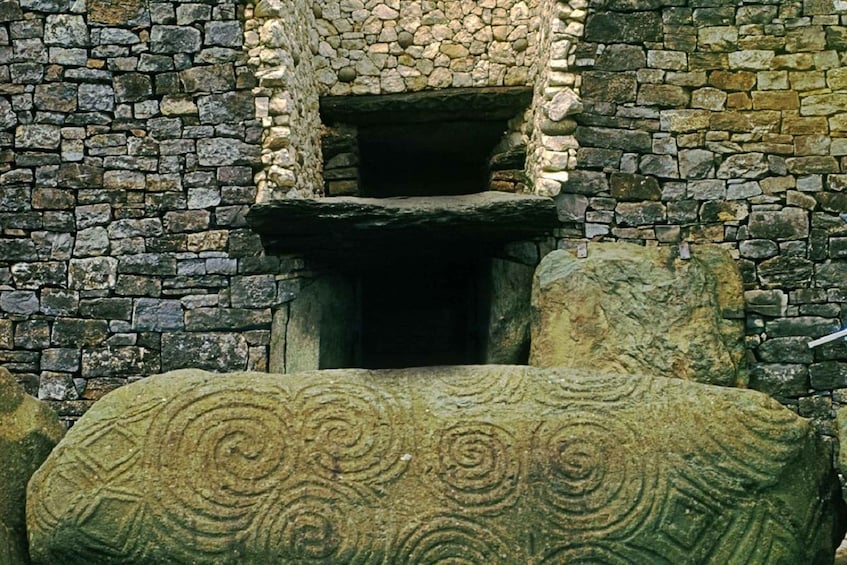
pixel 632 309
pixel 28 432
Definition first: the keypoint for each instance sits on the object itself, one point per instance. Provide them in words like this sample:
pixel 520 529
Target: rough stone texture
pixel 630 309
pixel 507 341
pixel 343 225
pixel 492 464
pixel 735 136
pixel 28 432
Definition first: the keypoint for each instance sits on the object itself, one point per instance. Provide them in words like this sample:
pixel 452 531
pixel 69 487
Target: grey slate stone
pixel 37 136
pixel 19 302
pixel 66 30
pixel 226 34
pixel 93 273
pixel 226 151
pixel 150 314
pixel 254 291
pixel 132 87
pixel 174 39
pixel 214 351
pixel 96 97
pixel 788 223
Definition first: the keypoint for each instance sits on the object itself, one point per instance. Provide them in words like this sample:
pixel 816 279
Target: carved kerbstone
pixel 28 431
pixel 632 309
pixel 489 464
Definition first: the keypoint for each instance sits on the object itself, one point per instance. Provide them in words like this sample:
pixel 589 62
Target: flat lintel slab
pixel 342 225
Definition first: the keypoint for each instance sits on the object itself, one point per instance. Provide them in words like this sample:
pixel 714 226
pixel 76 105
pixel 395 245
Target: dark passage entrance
pixel 425 159
pixel 419 314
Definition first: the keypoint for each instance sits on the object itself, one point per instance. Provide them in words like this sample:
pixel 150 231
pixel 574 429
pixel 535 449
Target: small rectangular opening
pixel 427 159
pixel 415 314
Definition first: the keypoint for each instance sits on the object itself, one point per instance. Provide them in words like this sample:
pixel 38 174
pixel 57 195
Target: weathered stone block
pixel 780 380
pixel 29 432
pixel 66 30
pixel 93 273
pixel 151 314
pixel 132 87
pixel 254 291
pixel 473 464
pixel 175 39
pixel 118 362
pixel 669 321
pixel 609 87
pixel 586 182
pixel 612 138
pixel 743 165
pixel 226 151
pixel 788 223
pixel 56 97
pixel 226 107
pixel 208 78
pixel 662 95
pixel 615 27
pixel 785 272
pixel 37 136
pixel 684 120
pixel 19 302
pixel 216 351
pixel 126 12
pixel 633 187
pixel 640 213
pixel 78 332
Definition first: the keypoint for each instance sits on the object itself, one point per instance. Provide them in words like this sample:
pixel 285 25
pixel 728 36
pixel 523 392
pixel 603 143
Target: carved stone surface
pixel 28 431
pixel 485 465
pixel 632 309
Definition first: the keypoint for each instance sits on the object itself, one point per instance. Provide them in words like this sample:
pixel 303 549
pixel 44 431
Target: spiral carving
pixel 454 540
pixel 478 468
pixel 352 431
pixel 217 454
pixel 565 387
pixel 590 480
pixel 306 523
pixel 484 385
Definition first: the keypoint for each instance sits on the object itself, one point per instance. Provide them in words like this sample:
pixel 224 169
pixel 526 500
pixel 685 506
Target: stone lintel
pixel 490 103
pixel 367 226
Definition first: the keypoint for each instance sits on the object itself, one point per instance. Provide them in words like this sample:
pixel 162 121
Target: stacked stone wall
pixel 375 47
pixel 134 137
pixel 128 147
pixel 726 122
pixel 282 43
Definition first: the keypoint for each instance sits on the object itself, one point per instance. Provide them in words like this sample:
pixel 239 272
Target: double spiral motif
pixel 593 478
pixel 453 540
pixel 352 432
pixel 478 468
pixel 310 522
pixel 217 454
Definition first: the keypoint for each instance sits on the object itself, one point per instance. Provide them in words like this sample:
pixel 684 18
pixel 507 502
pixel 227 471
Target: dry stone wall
pixel 375 47
pixel 134 137
pixel 128 146
pixel 726 122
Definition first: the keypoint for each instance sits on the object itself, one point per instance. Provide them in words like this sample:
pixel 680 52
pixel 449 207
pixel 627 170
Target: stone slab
pixel 632 309
pixel 29 429
pixel 345 226
pixel 493 464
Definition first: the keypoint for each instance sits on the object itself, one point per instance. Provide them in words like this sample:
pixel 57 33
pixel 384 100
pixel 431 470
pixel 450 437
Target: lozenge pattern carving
pixel 391 467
